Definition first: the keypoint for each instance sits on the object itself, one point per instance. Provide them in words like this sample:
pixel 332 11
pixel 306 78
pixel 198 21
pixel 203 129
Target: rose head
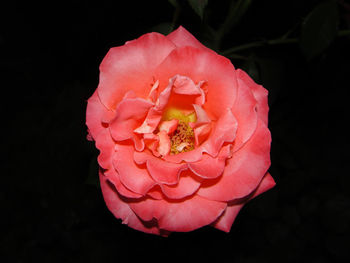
pixel 182 135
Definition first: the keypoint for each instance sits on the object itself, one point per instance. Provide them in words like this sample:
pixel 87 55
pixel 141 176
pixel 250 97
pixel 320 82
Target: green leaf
pixel 198 6
pixel 319 29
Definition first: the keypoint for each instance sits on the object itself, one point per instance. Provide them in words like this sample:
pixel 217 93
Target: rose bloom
pixel 182 135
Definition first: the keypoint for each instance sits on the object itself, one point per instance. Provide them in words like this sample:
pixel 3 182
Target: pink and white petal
pixel 187 185
pixel 243 171
pixel 131 67
pixel 260 94
pixel 131 176
pixel 245 113
pixel 161 171
pixel 209 167
pixel 189 214
pixel 105 144
pixel 199 65
pixel 129 114
pixel 96 113
pixel 181 37
pixel 225 222
pixel 120 209
pixel 113 177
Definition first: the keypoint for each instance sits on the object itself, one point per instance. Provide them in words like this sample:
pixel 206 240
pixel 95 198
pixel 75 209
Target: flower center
pixel 182 139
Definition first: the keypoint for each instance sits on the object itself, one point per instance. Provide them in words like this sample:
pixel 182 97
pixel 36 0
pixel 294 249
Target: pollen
pixel 182 140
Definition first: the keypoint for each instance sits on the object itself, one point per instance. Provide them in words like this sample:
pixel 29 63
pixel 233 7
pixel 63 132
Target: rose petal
pixel 190 214
pixel 199 65
pixel 113 177
pixel 161 171
pixel 186 186
pixel 105 144
pixel 129 114
pixel 164 143
pixel 121 210
pixel 224 131
pixel 181 37
pixel 260 95
pixel 243 171
pixel 136 58
pixel 245 113
pixel 181 216
pixel 226 220
pixel 209 167
pixel 96 112
pixel 133 177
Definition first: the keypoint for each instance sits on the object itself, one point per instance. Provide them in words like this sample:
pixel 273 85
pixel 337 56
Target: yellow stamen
pixel 183 136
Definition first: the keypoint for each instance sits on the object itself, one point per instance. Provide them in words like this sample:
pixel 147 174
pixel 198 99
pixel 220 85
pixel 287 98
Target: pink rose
pixel 182 135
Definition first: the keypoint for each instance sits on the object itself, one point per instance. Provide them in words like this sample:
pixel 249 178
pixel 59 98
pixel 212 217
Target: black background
pixel 52 211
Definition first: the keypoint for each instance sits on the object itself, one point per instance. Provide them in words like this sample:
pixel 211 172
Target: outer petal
pixel 120 209
pixel 244 111
pixel 199 65
pixel 131 67
pixel 225 222
pixel 181 216
pixel 133 177
pixel 181 37
pixel 260 94
pixel 105 144
pixel 243 171
pixel 96 112
pixel 113 177
pixel 190 214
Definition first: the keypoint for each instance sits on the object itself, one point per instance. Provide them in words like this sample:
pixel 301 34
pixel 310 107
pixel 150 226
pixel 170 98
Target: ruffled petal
pixel 199 65
pixel 244 111
pixel 96 113
pixel 243 171
pixel 209 167
pixel 188 184
pixel 181 37
pixel 224 131
pixel 113 177
pixel 120 209
pixel 129 114
pixel 161 171
pixel 260 95
pixel 131 67
pixel 132 177
pixel 226 220
pixel 105 144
